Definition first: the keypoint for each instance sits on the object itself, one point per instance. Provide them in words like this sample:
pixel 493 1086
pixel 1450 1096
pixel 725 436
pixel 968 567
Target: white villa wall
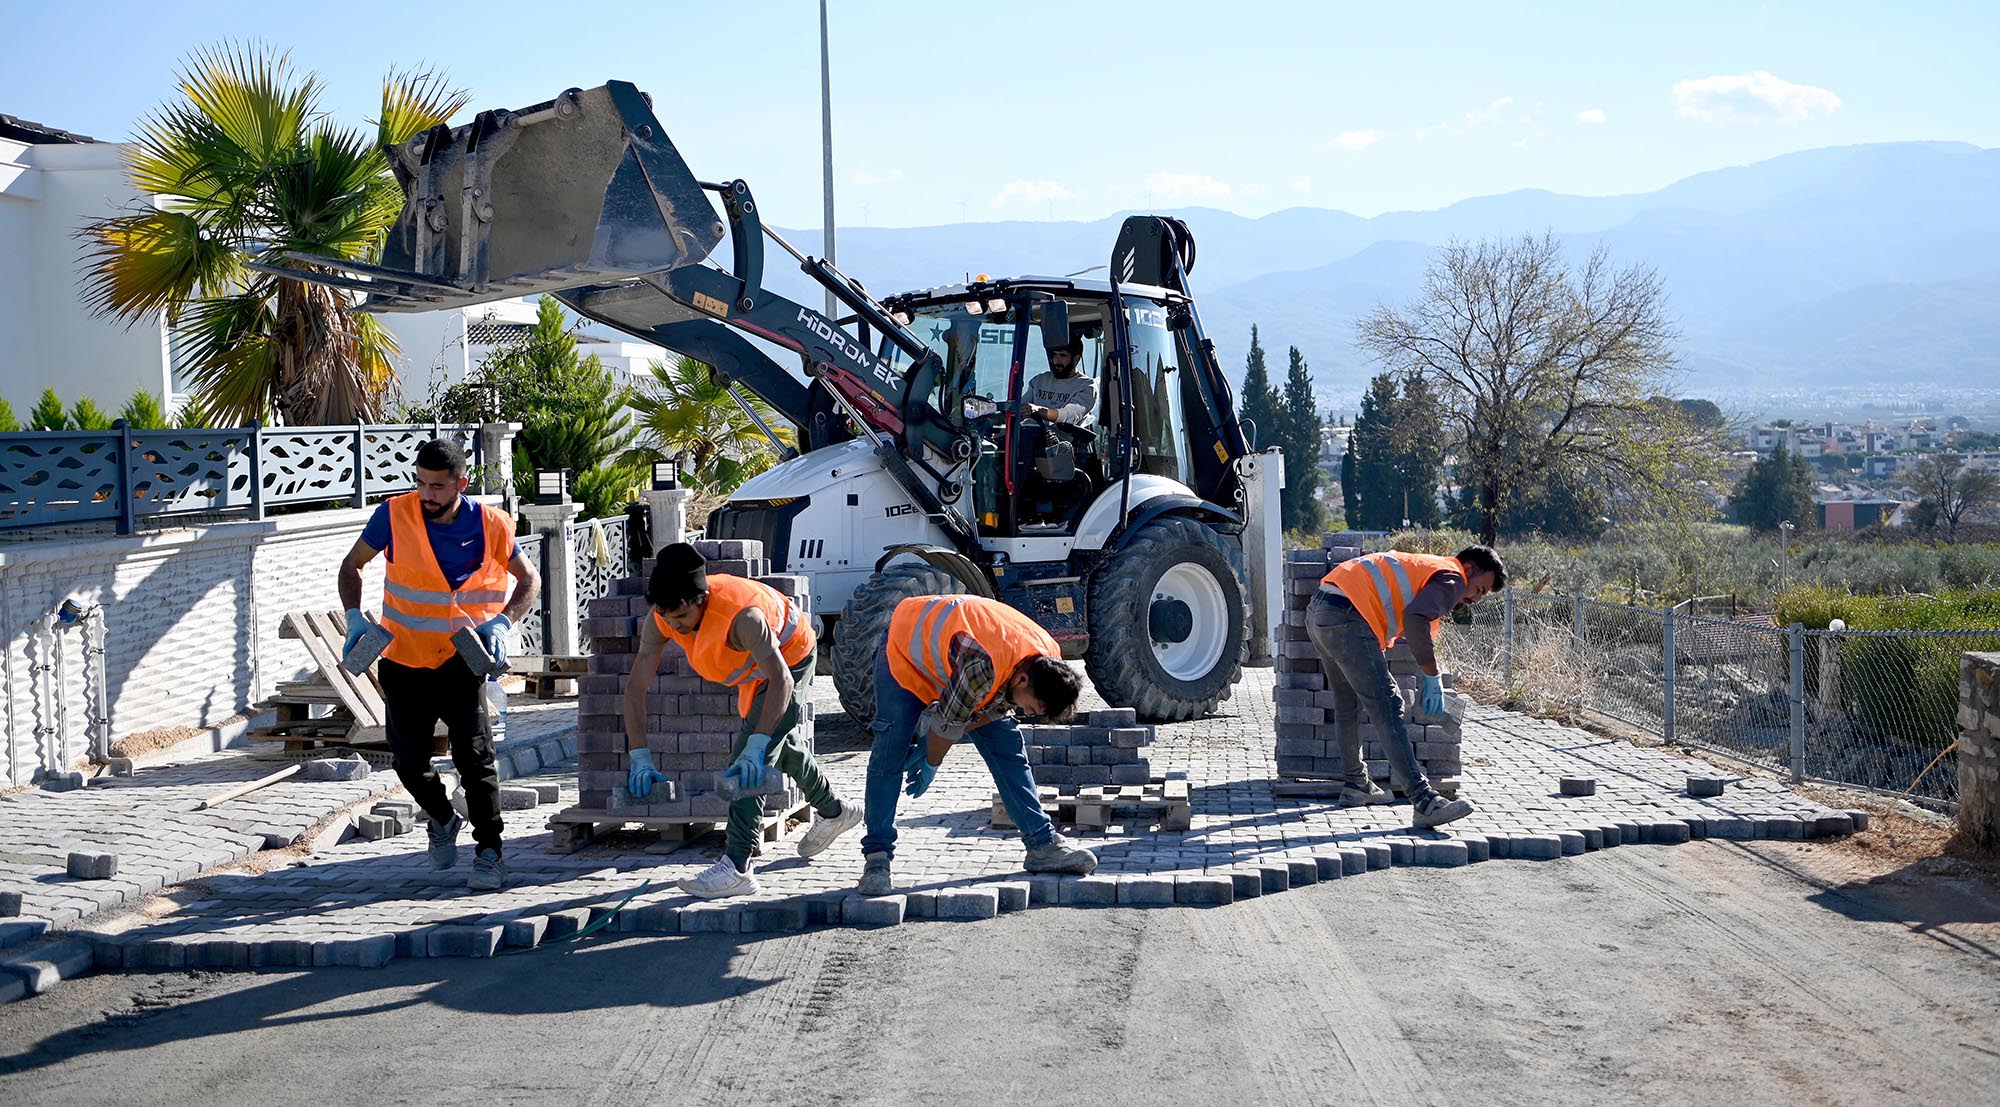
pixel 192 615
pixel 48 337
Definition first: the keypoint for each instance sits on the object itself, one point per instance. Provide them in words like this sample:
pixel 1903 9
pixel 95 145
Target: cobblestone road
pixel 362 903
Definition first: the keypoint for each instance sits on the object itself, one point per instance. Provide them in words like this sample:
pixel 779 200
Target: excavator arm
pixel 585 198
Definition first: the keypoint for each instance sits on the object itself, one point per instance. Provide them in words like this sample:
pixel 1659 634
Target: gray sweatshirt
pixel 1075 398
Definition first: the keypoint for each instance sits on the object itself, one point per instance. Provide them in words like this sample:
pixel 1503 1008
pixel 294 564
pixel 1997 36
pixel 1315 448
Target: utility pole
pixel 1784 553
pixel 826 138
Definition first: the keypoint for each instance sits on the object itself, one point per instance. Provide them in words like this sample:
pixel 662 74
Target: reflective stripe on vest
pixel 1382 585
pixel 708 650
pixel 420 609
pixel 923 627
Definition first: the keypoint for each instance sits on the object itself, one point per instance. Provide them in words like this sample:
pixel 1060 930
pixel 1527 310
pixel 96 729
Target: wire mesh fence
pixel 1875 709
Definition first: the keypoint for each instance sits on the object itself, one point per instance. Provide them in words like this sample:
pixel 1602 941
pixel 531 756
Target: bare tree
pixel 1543 370
pixel 1955 489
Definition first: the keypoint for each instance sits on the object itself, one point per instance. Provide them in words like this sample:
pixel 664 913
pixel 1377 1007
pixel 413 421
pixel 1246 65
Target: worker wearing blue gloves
pixel 957 668
pixel 747 635
pixel 1363 607
pixel 452 563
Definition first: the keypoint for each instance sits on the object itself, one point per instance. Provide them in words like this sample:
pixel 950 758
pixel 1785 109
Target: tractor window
pixel 1156 393
pixel 977 343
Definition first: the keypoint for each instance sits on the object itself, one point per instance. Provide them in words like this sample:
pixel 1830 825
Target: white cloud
pixel 1185 188
pixel 1301 184
pixel 869 177
pixel 1029 192
pixel 1479 117
pixel 1592 116
pixel 1751 97
pixel 1251 189
pixel 1356 140
pixel 1422 133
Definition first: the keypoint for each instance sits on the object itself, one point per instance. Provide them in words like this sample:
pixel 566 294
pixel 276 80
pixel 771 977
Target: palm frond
pixel 253 97
pixel 150 261
pixel 414 101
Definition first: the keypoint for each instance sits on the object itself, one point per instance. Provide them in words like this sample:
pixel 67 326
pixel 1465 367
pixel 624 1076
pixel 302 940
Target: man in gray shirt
pixel 1063 394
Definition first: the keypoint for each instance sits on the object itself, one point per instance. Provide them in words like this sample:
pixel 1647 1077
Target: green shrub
pixel 7 423
pixel 49 414
pixel 143 412
pixel 85 415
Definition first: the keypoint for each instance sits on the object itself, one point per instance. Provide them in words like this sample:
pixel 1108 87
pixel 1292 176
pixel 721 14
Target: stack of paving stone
pixel 690 722
pixel 1307 748
pixel 1106 746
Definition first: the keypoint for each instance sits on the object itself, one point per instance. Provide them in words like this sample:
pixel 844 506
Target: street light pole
pixel 826 139
pixel 1784 553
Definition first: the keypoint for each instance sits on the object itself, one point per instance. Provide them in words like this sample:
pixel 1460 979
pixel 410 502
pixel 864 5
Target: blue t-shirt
pixel 460 545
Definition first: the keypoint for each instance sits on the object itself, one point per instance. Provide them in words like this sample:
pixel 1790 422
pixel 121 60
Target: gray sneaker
pixel 1435 810
pixel 488 871
pixel 444 842
pixel 824 830
pixel 1059 856
pixel 875 879
pixel 1364 794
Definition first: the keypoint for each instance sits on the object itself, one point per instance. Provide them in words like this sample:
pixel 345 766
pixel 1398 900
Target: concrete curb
pixel 485 935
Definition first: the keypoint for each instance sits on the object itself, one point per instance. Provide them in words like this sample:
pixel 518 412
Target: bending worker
pixel 1362 607
pixel 747 635
pixel 959 667
pixel 449 564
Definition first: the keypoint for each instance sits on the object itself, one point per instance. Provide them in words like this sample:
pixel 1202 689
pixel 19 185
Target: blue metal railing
pixel 66 478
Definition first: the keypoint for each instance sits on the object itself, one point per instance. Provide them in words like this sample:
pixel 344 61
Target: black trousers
pixel 414 700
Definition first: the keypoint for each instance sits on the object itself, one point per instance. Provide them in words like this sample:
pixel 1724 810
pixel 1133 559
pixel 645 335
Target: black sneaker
pixel 444 842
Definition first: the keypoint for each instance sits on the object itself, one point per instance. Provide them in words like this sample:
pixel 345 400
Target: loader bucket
pixel 583 189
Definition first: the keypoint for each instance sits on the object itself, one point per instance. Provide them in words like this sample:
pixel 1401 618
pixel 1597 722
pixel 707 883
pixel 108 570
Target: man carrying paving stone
pixel 744 634
pixel 449 564
pixel 936 678
pixel 1363 606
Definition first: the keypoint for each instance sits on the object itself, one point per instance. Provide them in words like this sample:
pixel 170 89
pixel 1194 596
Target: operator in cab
pixel 1062 394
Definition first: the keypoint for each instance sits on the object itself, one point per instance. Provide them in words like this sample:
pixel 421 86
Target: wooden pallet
pixel 574 827
pixel 357 716
pixel 549 675
pixel 1092 809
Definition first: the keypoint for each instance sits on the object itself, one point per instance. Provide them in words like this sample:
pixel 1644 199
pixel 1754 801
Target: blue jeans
pixel 1356 667
pixel 895 726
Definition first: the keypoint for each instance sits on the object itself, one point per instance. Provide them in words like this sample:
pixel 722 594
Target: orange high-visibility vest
pixel 1381 585
pixel 708 650
pixel 418 606
pixel 921 630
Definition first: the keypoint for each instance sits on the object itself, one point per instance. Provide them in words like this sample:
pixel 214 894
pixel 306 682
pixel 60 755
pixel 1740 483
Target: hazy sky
pixel 1041 110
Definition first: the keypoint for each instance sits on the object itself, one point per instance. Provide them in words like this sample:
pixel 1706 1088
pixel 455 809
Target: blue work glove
pixel 643 776
pixel 1433 695
pixel 918 772
pixel 357 625
pixel 493 635
pixel 748 768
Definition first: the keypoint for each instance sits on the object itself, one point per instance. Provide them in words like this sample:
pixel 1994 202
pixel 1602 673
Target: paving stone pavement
pixel 363 902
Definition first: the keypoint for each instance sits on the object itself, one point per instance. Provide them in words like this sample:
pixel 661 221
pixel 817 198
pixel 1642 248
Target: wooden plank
pixel 360 697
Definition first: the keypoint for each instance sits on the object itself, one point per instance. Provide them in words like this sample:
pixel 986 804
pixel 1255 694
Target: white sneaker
pixel 719 881
pixel 823 831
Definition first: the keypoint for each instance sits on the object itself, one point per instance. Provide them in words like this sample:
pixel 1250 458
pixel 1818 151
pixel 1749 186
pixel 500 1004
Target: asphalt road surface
pixel 1715 973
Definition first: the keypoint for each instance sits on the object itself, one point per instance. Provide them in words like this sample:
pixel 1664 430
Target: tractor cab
pixel 1035 367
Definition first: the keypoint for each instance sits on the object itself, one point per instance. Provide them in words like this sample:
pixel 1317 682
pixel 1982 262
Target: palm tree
pixel 244 166
pixel 683 410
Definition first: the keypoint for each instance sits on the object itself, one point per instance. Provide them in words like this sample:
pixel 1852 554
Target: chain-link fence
pixel 1869 708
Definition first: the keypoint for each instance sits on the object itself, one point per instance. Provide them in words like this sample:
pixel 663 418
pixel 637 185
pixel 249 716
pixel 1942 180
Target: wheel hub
pixel 1188 621
pixel 1171 621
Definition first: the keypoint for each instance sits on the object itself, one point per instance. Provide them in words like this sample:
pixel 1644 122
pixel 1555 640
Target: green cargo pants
pixel 788 752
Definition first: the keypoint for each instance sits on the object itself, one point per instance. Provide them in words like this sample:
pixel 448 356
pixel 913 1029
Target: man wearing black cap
pixel 747 635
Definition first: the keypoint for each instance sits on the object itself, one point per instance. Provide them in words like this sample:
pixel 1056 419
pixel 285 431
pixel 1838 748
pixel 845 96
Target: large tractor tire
pixel 1166 622
pixel 864 626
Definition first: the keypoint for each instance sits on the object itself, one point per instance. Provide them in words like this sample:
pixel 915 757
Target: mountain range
pixel 1845 266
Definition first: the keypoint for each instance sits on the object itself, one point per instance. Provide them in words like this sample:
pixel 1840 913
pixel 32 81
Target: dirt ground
pixel 1757 972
